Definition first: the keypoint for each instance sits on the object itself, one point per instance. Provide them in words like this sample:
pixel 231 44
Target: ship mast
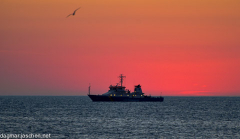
pixel 89 89
pixel 121 78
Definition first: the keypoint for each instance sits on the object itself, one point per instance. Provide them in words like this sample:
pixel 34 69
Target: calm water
pixel 79 117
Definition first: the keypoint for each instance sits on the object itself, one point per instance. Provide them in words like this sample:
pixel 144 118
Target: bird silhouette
pixel 73 12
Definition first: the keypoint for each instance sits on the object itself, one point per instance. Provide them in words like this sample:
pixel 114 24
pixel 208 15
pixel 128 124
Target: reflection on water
pixel 79 117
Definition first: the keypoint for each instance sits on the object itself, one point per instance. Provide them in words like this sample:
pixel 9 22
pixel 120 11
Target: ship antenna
pixel 89 89
pixel 121 78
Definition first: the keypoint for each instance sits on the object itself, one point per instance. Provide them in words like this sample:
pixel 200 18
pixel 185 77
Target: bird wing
pixel 76 9
pixel 68 15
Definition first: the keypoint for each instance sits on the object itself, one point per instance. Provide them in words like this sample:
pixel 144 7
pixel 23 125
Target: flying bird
pixel 73 12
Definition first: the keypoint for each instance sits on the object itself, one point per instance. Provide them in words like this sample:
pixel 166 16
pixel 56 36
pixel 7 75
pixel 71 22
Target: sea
pixel 77 117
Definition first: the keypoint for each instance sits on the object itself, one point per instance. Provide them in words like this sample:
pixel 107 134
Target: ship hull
pixel 125 98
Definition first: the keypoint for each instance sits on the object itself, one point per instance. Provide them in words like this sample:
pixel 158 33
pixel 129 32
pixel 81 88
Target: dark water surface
pixel 79 117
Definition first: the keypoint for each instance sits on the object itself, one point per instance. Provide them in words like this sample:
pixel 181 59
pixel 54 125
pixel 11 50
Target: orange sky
pixel 179 48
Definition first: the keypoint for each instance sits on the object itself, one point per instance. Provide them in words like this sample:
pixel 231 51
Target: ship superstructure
pixel 120 93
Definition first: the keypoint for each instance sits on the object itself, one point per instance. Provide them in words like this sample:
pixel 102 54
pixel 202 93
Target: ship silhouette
pixel 121 94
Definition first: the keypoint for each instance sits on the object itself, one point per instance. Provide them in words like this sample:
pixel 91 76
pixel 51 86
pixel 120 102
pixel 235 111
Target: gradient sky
pixel 177 47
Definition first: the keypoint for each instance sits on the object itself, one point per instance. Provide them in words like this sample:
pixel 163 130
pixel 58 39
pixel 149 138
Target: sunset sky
pixel 177 47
